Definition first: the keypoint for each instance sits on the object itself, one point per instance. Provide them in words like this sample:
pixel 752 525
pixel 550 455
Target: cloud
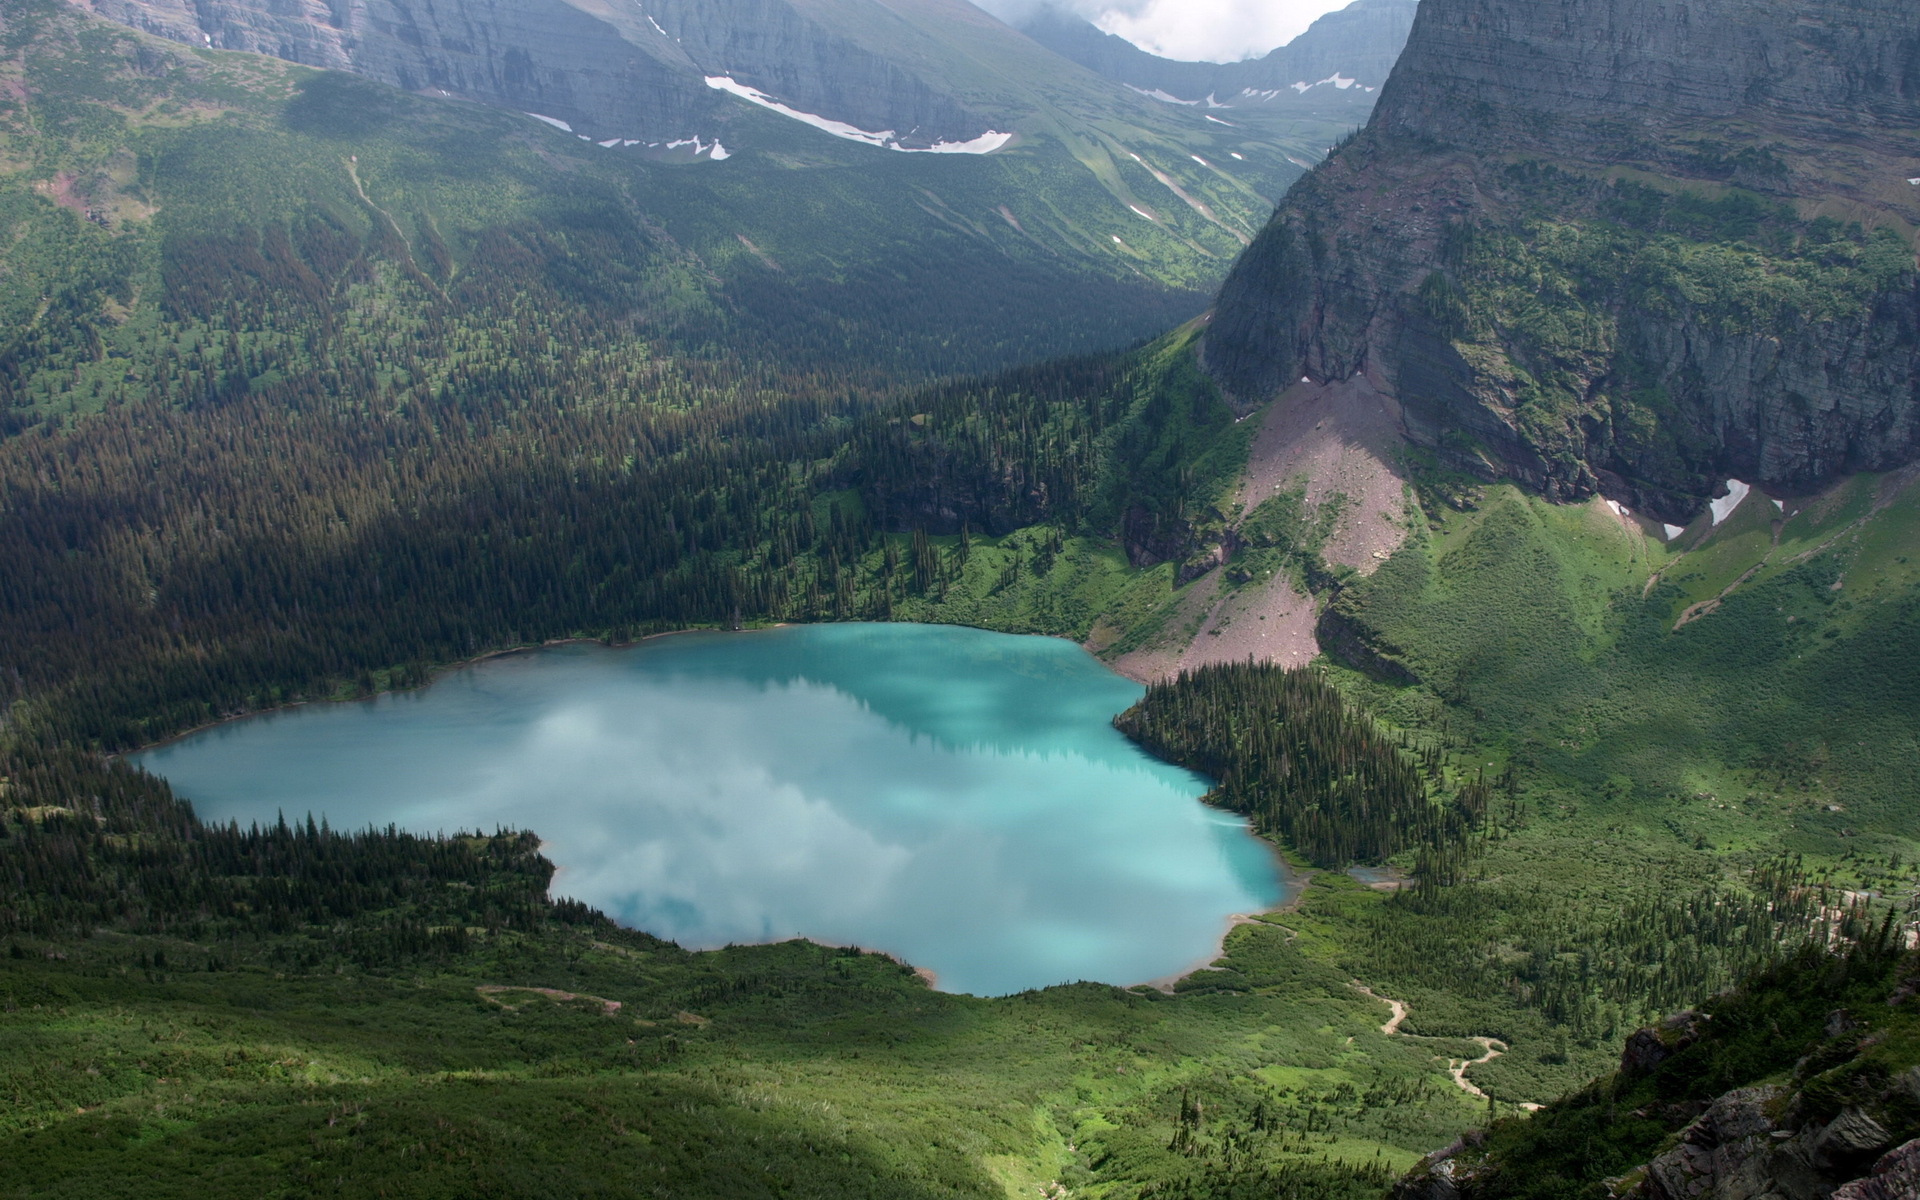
pixel 1206 30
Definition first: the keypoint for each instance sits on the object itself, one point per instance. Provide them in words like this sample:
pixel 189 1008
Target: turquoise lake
pixel 956 798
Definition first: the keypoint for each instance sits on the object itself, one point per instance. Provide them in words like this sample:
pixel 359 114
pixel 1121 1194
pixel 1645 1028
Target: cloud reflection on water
pixel 954 797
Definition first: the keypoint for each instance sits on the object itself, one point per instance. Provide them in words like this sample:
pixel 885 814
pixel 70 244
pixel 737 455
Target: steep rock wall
pixel 1616 245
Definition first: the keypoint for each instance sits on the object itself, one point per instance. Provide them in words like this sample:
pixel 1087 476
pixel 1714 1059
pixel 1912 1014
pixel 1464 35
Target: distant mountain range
pixel 1098 175
pixel 1346 54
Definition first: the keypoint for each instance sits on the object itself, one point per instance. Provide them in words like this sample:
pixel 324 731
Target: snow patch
pixel 1914 182
pixel 609 144
pixel 1143 212
pixel 1163 97
pixel 556 122
pixel 1619 509
pixel 986 143
pixel 1336 79
pixel 1780 505
pixel 715 150
pixel 1218 121
pixel 1203 162
pixel 1723 507
pixel 656 26
pixel 1672 531
pixel 1238 155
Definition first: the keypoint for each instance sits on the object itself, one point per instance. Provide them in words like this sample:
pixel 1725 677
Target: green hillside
pixel 167 205
pixel 311 388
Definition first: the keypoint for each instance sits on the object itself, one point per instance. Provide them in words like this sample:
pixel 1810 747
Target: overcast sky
pixel 1212 30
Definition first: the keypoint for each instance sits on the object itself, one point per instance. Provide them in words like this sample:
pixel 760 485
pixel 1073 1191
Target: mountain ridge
pixel 1350 47
pixel 1582 280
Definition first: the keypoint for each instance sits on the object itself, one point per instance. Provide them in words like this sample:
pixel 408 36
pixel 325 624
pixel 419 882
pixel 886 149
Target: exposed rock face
pixel 1358 43
pixel 625 69
pixel 1648 1048
pixel 1544 77
pixel 1895 1177
pixel 1541 319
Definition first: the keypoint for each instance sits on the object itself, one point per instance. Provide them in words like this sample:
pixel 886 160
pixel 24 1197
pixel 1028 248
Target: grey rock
pixel 1725 1153
pixel 1816 103
pixel 1851 1136
pixel 1649 1047
pixel 1907 1084
pixel 1431 1179
pixel 1895 1177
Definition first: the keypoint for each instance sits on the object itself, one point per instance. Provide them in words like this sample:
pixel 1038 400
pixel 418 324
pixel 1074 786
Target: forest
pixel 292 415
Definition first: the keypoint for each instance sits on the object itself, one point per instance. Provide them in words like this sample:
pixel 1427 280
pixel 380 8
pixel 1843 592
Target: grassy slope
pixel 790 1070
pixel 1579 644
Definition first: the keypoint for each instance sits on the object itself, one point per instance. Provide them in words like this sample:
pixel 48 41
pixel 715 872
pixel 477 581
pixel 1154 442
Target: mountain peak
pixel 1615 246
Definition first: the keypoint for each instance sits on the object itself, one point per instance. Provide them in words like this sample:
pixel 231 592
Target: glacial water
pixel 956 798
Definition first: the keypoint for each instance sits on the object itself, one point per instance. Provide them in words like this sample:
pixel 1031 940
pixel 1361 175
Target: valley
pixel 1519 544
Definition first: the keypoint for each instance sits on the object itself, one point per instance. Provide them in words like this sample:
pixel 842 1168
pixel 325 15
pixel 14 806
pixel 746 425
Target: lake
pixel 956 798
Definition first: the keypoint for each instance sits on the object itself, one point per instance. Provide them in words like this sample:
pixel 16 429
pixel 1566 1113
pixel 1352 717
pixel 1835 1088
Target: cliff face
pixel 1617 246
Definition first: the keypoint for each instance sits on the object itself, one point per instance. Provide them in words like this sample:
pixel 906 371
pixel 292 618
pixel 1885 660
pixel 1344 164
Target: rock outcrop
pixel 1759 1096
pixel 1617 246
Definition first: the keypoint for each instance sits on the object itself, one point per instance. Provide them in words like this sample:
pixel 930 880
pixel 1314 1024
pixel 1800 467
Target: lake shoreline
pixel 435 673
pixel 839 641
pixel 433 676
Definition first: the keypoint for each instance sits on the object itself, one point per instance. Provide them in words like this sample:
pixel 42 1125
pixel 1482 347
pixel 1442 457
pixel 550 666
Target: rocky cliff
pixel 1616 245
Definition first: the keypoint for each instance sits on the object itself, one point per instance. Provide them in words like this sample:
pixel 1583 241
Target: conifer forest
pixel 1589 803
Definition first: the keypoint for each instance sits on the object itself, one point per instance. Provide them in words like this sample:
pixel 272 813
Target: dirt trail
pixel 492 993
pixel 1456 1067
pixel 1398 1008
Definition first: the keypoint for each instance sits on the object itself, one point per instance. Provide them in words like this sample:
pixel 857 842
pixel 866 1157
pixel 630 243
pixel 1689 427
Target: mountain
pixel 932 71
pixel 1169 191
pixel 1617 248
pixel 148 181
pixel 1342 58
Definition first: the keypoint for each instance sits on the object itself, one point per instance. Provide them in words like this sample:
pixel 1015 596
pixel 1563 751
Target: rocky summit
pixel 1615 246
